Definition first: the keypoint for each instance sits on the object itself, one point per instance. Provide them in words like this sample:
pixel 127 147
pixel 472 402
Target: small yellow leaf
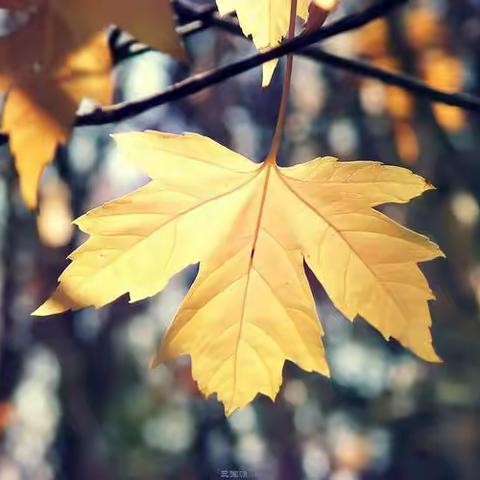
pixel 251 227
pixel 43 97
pixel 59 57
pixel 266 21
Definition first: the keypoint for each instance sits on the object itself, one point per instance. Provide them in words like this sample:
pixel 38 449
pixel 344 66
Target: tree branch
pixel 201 81
pixel 195 19
pixel 412 84
pixel 358 67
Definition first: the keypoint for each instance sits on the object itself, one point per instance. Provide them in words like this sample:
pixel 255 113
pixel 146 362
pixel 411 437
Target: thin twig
pixel 412 84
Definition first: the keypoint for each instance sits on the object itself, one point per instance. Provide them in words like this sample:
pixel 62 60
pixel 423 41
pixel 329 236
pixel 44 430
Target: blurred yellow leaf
pixel 445 72
pixel 450 118
pixel 406 141
pixel 423 27
pixel 371 41
pixel 54 220
pixel 399 103
pixel 60 57
pixel 251 227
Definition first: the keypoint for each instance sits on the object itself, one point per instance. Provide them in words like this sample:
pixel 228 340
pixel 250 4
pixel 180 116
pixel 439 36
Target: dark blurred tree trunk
pixel 11 348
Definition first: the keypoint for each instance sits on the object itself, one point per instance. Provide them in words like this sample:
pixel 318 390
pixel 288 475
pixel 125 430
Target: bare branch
pixel 358 67
pixel 413 85
pixel 199 18
pixel 201 81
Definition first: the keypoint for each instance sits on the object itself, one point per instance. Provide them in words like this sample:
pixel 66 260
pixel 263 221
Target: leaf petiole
pixel 282 113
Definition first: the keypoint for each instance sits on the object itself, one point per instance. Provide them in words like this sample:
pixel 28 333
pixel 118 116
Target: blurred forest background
pixel 77 400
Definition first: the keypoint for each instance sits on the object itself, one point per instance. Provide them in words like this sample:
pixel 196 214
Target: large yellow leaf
pixel 59 57
pixel 266 21
pixel 251 227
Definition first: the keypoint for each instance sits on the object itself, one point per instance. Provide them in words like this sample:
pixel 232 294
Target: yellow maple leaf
pixel 251 226
pixel 59 57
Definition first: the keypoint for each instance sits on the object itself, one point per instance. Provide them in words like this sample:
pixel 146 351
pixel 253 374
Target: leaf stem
pixel 282 113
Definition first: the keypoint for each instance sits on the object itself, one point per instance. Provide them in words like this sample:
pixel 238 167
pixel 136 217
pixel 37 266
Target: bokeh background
pixel 77 400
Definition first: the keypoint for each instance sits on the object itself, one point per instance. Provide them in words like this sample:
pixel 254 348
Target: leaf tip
pixel 116 137
pixel 439 252
pixel 49 307
pixel 59 302
pixel 426 352
pixel 268 70
pixel 154 362
pixel 161 356
pixel 433 357
pixel 229 410
pixel 39 312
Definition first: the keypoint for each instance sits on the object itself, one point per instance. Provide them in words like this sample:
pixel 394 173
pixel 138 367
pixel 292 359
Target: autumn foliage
pixel 251 227
pixel 66 58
